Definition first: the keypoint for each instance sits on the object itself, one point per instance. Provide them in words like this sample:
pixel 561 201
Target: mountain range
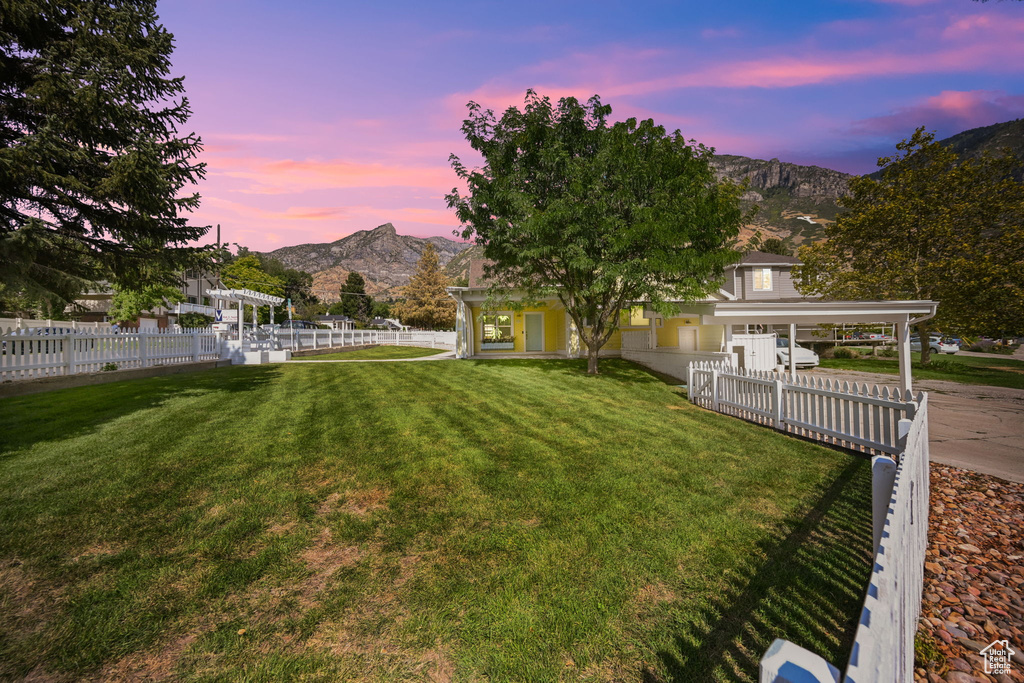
pixel 794 203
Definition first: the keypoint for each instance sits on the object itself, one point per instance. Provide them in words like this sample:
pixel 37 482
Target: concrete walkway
pixel 972 426
pixel 444 355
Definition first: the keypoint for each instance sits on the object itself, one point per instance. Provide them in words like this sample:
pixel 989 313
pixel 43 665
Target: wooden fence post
pixel 777 417
pixel 883 477
pixel 69 354
pixel 195 346
pixel 143 350
pixel 714 388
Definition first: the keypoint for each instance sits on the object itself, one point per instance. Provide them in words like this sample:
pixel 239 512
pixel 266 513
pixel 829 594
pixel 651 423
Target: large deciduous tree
pixel 599 214
pixel 92 164
pixel 934 226
pixel 426 303
pixel 128 304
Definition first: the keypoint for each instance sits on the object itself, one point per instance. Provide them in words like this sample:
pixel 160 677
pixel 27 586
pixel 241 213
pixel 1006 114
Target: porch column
pixel 653 343
pixel 792 350
pixel 903 339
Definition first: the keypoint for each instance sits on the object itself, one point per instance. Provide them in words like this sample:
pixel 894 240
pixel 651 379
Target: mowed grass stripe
pixel 506 519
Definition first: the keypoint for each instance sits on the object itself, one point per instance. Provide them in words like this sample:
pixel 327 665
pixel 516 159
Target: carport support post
pixel 904 351
pixel 792 350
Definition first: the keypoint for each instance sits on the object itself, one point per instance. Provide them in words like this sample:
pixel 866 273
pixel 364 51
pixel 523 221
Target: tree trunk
pixel 591 360
pixel 924 333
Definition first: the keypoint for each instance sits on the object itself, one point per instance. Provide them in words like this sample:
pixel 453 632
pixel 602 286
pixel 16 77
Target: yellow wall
pixel 554 329
pixel 709 336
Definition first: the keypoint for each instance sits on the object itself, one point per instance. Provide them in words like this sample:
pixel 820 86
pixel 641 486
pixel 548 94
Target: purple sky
pixel 321 118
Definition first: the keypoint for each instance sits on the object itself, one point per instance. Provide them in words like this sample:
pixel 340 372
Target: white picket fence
pixel 302 340
pixel 859 418
pixel 30 353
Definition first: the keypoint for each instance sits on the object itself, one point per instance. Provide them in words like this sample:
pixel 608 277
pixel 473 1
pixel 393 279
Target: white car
pixel 805 358
pixel 937 345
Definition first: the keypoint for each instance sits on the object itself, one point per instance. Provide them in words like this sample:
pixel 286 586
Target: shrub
pixel 108 367
pixel 949 365
pixel 888 352
pixel 844 352
pixel 190 320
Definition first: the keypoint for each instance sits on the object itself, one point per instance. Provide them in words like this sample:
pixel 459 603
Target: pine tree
pixel 92 166
pixel 427 303
pixel 355 303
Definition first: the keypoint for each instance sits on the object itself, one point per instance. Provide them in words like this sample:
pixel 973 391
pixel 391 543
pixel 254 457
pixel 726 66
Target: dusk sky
pixel 323 118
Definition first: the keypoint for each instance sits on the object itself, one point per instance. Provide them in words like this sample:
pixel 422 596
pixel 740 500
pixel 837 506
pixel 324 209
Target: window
pixel 762 279
pixel 633 317
pixel 497 327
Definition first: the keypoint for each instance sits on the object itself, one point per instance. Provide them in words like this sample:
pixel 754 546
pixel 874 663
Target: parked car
pixel 804 357
pixel 937 344
pixel 299 325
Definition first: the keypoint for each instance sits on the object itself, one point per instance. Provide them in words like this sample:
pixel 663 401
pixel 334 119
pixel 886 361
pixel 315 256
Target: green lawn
pixel 470 520
pixel 997 371
pixel 377 353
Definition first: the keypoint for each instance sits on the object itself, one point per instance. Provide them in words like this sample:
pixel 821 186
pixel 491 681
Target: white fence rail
pixel 303 340
pixel 858 417
pixel 30 353
pixel 864 419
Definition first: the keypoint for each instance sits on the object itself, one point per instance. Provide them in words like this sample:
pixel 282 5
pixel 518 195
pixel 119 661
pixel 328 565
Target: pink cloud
pixel 950 111
pixel 292 213
pixel 282 176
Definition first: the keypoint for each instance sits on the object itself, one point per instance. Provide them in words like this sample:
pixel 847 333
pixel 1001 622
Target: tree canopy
pixel 92 165
pixel 426 303
pixel 601 215
pixel 128 304
pixel 934 226
pixel 354 302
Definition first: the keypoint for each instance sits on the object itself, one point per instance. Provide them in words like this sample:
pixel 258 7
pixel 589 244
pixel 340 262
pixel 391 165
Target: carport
pixel 900 314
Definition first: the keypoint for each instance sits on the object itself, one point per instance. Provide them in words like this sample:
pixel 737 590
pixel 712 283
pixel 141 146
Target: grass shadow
pixel 809 589
pixel 66 413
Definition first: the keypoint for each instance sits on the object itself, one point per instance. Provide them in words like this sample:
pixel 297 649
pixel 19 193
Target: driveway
pixel 975 427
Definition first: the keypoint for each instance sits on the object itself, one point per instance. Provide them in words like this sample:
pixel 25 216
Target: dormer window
pixel 762 279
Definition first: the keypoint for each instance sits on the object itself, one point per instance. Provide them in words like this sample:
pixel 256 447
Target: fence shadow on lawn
pixel 81 410
pixel 809 589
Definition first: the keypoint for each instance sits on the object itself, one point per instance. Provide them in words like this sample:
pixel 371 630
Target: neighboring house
pixel 337 322
pixel 738 324
pixel 388 324
pixel 93 305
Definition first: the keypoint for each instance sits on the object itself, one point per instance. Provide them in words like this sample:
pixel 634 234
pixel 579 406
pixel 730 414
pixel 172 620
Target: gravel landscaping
pixel 974 577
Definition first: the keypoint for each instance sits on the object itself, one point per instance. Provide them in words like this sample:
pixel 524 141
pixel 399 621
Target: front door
pixel 534 331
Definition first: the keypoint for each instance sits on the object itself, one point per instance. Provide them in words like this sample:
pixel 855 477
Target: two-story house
pixel 738 324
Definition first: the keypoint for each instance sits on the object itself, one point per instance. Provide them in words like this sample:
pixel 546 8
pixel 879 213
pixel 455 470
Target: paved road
pixel 975 427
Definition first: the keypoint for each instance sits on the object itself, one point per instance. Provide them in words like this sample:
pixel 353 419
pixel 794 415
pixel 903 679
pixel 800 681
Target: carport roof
pixel 812 311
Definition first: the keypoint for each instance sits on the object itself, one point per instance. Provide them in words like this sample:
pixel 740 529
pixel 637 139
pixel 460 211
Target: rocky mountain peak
pixel 386 230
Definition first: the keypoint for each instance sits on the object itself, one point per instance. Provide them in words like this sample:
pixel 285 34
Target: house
pixel 337 322
pixel 738 324
pixel 94 304
pixel 388 324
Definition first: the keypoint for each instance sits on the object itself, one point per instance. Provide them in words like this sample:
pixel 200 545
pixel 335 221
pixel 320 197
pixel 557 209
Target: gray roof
pixel 760 258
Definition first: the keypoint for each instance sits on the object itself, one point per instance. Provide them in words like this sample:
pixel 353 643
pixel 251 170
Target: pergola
pixel 243 297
